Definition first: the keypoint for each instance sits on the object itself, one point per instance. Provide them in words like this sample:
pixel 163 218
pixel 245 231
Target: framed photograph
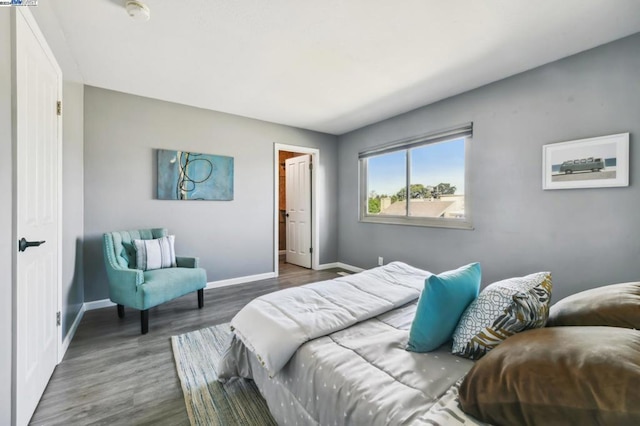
pixel 586 163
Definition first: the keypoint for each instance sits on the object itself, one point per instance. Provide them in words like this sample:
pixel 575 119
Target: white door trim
pixel 315 227
pixel 33 26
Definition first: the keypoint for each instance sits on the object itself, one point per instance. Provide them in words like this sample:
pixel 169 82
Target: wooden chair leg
pixel 144 321
pixel 200 298
pixel 120 311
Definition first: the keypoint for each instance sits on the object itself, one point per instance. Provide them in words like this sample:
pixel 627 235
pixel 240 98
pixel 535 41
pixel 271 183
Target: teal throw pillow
pixel 444 298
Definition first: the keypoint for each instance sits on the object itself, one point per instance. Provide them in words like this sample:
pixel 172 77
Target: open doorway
pixel 295 224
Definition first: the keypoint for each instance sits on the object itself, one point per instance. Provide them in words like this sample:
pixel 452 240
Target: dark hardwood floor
pixel 113 375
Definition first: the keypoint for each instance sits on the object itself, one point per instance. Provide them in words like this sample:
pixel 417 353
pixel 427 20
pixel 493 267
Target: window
pixel 420 181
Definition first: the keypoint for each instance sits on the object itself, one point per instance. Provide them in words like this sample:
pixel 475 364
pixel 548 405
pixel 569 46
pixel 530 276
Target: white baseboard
pixel 72 332
pixel 350 267
pixel 240 280
pixel 98 304
pixel 267 275
pixel 340 265
pixel 104 303
pixel 327 266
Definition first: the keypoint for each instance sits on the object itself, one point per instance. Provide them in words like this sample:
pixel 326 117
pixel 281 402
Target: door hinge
pixel 58 318
pixel 59 107
pixel 310 166
pixel 310 249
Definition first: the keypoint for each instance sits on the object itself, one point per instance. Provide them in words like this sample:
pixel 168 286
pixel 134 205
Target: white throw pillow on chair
pixel 155 254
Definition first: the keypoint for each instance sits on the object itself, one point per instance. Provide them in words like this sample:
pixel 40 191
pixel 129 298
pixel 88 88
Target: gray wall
pixel 232 238
pixel 72 203
pixel 585 237
pixel 50 27
pixel 6 215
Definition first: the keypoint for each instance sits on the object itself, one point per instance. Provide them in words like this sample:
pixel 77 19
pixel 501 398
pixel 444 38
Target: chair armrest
pixel 187 262
pixel 125 285
pixel 125 277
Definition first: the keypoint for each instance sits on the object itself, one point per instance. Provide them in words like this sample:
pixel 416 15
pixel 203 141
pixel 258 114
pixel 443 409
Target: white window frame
pixel 451 134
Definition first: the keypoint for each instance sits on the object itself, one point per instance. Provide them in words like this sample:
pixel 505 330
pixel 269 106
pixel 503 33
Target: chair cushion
pixel 502 309
pixel 559 375
pixel 156 253
pixel 443 300
pixel 616 305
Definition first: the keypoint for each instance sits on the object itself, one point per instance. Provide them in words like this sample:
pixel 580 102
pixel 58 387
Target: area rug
pixel 208 401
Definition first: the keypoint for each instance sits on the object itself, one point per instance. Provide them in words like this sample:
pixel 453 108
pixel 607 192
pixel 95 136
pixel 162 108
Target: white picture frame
pixel 599 162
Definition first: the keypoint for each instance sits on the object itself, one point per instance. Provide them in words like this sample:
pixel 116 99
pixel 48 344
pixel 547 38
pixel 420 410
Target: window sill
pixel 419 221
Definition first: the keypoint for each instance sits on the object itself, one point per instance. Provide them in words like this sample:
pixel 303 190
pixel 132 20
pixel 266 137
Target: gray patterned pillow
pixel 502 309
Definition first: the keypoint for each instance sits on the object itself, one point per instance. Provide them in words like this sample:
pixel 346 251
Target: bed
pixel 360 373
pixel 334 353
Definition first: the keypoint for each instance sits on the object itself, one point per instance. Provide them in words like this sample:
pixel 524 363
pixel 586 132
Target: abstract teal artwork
pixel 192 176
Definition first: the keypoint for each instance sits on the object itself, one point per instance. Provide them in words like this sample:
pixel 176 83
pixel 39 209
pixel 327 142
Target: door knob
pixel 24 244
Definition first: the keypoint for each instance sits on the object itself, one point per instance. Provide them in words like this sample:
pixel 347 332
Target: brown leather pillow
pixel 616 305
pixel 558 375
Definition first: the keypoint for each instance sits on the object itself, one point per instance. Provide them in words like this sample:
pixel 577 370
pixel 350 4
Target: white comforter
pixel 274 326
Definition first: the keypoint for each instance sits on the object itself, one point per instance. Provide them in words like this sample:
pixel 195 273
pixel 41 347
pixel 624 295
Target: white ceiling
pixel 330 65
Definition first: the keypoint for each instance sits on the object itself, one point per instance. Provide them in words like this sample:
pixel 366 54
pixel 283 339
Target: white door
pixel 38 89
pixel 298 217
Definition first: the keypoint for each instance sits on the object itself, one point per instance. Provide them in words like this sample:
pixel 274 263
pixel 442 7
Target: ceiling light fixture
pixel 138 10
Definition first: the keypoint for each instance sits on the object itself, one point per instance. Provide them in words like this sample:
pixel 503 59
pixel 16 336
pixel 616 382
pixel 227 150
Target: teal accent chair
pixel 140 289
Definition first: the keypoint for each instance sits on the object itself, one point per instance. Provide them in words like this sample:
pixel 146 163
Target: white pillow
pixel 155 254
